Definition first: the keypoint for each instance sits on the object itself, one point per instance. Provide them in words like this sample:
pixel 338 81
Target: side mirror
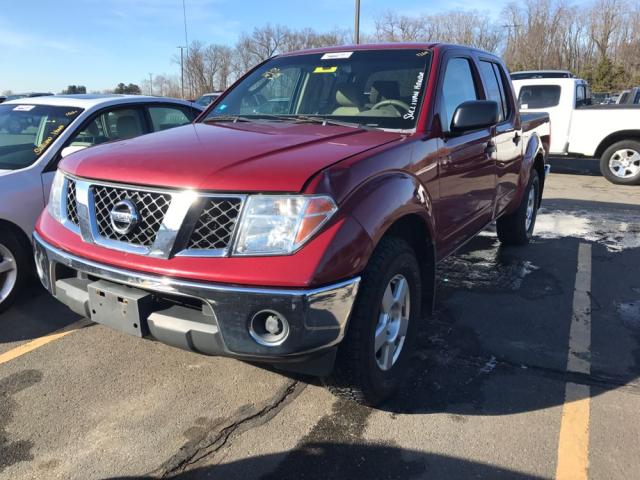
pixel 66 151
pixel 474 115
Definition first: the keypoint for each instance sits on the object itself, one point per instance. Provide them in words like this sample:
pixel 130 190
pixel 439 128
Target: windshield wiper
pixel 226 118
pixel 326 121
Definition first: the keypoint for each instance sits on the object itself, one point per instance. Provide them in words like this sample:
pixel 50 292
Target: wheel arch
pixel 23 240
pixel 414 230
pixel 616 137
pixel 17 232
pixel 397 204
pixel 533 159
pixel 538 165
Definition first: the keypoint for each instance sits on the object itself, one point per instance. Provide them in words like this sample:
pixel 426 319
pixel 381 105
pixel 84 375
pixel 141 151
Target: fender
pixel 533 148
pixel 397 198
pixel 386 198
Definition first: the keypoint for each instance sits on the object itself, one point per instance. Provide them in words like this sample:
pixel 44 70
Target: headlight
pixel 55 196
pixel 279 225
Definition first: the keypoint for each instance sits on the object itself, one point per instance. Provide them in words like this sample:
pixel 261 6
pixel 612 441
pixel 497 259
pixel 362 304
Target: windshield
pixel 26 131
pixel 205 100
pixel 374 88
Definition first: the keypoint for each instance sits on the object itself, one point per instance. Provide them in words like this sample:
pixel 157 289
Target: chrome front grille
pixel 167 222
pixel 216 224
pixel 152 207
pixel 72 203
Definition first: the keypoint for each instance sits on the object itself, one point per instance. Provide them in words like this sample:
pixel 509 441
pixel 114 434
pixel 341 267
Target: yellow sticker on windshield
pixel 325 70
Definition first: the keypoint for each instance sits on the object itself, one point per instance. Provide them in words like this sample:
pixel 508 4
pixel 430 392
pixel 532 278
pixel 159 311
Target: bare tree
pixel 468 28
pixel 604 21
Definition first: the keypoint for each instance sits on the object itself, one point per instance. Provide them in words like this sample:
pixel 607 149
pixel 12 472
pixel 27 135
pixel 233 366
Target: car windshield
pixel 368 88
pixel 26 131
pixel 205 100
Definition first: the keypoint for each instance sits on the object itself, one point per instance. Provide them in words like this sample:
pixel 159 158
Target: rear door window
pixel 125 123
pixel 505 90
pixel 492 87
pixel 111 125
pixel 164 118
pixel 539 96
pixel 458 87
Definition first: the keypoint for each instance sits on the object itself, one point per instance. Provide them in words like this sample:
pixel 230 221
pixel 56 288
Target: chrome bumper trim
pixel 320 314
pixel 172 285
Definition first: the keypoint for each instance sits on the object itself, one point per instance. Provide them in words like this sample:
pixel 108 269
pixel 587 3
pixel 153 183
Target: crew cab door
pixel 508 134
pixel 466 161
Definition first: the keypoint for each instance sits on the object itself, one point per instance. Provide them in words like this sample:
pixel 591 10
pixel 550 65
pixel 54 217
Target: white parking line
pixel 573 444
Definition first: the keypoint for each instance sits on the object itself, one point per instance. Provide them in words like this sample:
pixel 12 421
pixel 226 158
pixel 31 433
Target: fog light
pixel 269 328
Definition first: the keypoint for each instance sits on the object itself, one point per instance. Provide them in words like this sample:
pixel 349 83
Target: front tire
pixel 373 358
pixel 13 269
pixel 620 163
pixel 517 227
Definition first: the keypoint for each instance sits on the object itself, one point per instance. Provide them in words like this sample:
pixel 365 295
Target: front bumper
pixel 208 318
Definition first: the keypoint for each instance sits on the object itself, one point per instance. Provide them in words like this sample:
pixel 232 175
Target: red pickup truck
pixel 299 220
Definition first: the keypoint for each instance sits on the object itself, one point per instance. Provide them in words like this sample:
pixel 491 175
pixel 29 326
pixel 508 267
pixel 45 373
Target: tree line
pixel 599 41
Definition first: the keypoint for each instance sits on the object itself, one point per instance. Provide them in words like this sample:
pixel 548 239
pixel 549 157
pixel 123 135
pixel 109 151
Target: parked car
pixel 17 96
pixel 206 99
pixel 307 239
pixel 629 97
pixel 531 74
pixel 604 98
pixel 2 98
pixel 35 133
pixel 578 128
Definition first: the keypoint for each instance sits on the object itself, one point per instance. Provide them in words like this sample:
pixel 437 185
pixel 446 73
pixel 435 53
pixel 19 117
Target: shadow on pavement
pixel 323 461
pixel 575 166
pixel 35 313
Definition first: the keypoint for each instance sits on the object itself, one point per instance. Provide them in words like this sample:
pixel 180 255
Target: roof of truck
pixel 541 74
pixel 383 46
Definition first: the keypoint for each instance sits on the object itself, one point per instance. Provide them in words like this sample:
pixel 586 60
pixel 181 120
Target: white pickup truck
pixel 608 132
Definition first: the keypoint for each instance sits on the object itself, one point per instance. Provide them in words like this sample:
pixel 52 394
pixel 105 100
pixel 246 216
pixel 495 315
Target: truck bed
pixel 537 122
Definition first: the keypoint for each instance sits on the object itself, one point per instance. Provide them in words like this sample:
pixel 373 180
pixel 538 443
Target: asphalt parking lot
pixel 529 369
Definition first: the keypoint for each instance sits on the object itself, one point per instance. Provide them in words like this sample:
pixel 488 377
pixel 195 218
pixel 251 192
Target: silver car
pixel 35 133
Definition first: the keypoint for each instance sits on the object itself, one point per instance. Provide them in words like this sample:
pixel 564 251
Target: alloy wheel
pixel 393 321
pixel 531 208
pixel 8 272
pixel 625 163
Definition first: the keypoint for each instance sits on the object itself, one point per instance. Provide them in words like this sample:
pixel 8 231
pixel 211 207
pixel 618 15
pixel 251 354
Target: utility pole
pixel 150 83
pixel 357 26
pixel 182 69
pixel 186 38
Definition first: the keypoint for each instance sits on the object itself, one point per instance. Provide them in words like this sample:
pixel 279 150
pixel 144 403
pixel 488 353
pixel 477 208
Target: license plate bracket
pixel 120 307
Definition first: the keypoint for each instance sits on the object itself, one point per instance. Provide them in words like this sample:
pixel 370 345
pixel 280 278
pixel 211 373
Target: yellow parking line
pixel 573 447
pixel 573 444
pixel 39 342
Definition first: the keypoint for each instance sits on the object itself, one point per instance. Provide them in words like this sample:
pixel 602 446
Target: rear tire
pixel 620 163
pixel 517 228
pixel 14 268
pixel 388 305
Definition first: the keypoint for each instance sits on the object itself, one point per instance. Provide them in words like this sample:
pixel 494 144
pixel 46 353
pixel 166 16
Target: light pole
pixel 182 69
pixel 357 25
pixel 150 83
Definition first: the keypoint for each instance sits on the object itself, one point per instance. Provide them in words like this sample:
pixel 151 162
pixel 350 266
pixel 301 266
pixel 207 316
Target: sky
pixel 46 45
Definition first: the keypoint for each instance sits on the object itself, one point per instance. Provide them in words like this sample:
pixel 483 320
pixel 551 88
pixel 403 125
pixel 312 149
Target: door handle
pixel 490 149
pixel 516 138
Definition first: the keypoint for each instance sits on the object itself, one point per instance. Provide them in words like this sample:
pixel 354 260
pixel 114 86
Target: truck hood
pixel 240 157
